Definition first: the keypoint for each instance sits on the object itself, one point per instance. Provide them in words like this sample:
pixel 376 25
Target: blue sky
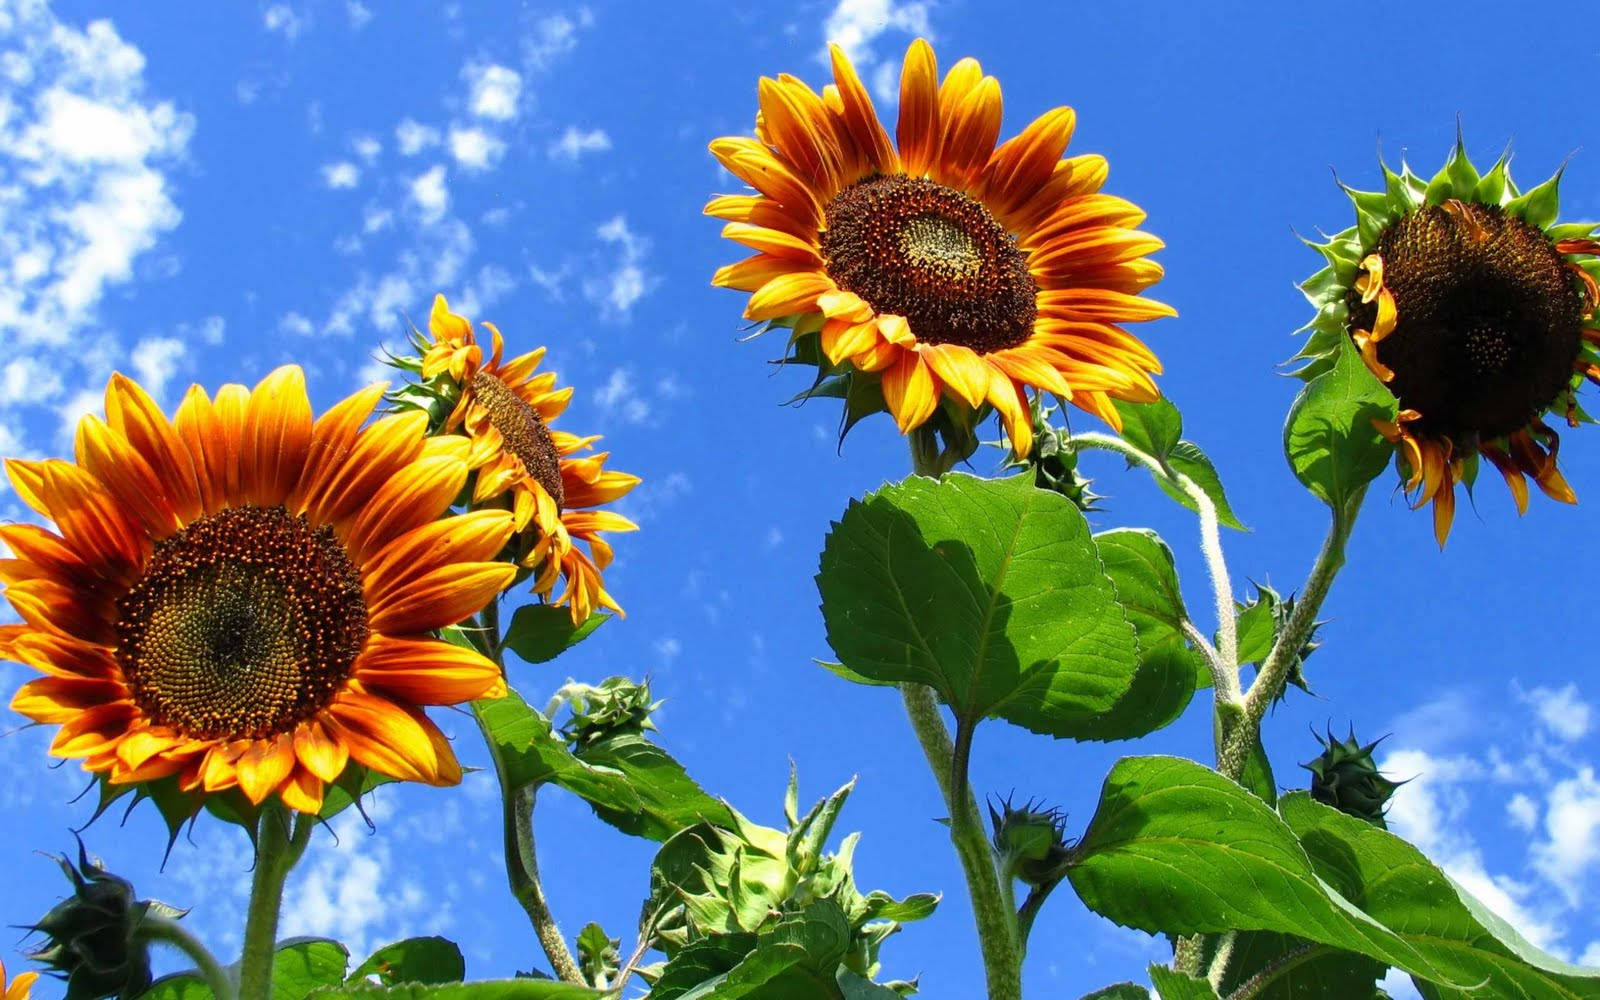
pixel 202 192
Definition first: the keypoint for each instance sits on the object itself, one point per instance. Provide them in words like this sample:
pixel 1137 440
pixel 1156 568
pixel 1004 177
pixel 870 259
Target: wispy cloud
pixel 626 282
pixel 493 90
pixel 475 149
pixel 412 137
pixel 340 175
pixel 553 36
pixel 284 20
pixel 575 142
pixel 431 194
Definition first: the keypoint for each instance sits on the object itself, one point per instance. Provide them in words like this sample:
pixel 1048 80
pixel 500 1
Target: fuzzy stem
pixel 998 936
pixel 516 813
pixel 1258 983
pixel 277 851
pixel 154 928
pixel 1220 960
pixel 1237 743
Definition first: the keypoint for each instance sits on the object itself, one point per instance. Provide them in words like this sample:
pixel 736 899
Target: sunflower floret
pixel 1476 311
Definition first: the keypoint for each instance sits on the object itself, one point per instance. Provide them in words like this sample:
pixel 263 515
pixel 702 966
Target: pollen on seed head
pixel 918 249
pixel 524 432
pixel 244 624
pixel 1488 320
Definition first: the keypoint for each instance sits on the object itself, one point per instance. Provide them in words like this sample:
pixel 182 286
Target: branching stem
pixel 159 929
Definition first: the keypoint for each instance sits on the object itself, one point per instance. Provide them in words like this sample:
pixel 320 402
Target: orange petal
pixel 379 453
pixel 910 391
pixel 331 437
pixel 442 597
pixel 1021 166
pixel 126 475
pixel 860 118
pixel 389 739
pixel 276 438
pixel 788 294
pixel 1509 471
pixel 427 671
pixel 972 124
pixel 753 272
pixel 416 495
pixel 918 129
pixel 264 766
pixel 133 414
pixel 473 537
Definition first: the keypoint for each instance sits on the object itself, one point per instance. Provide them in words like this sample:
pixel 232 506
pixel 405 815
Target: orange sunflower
pixel 505 410
pixel 18 988
pixel 949 267
pixel 242 597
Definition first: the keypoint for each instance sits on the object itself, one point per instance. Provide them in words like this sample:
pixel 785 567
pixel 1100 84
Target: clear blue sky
pixel 193 192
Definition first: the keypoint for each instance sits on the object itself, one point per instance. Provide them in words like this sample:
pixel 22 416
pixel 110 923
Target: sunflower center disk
pixel 918 249
pixel 1489 320
pixel 245 623
pixel 524 431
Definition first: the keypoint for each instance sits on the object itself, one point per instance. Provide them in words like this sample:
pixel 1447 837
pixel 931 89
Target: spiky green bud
pixel 1346 778
pixel 1031 842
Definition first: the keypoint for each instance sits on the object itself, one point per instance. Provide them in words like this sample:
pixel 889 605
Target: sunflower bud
pixel 1054 461
pixel 1261 621
pixel 93 936
pixel 1346 778
pixel 617 706
pixel 1031 842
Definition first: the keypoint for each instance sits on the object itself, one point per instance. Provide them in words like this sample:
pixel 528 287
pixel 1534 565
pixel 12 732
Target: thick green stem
pixel 516 813
pixel 996 918
pixel 159 929
pixel 1238 741
pixel 277 851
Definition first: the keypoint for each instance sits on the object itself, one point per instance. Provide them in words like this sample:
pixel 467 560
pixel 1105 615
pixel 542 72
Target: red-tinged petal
pixel 477 536
pixel 133 414
pixel 751 162
pixel 332 436
pixel 860 117
pixel 91 522
pixel 387 738
pixel 793 128
pixel 788 294
pixel 427 671
pixel 1099 305
pixel 93 731
pixel 64 610
pixel 439 598
pixel 774 242
pixel 971 127
pixel 214 455
pixel 1509 471
pixel 379 453
pixel 264 766
pixel 417 495
pixel 1084 211
pixel 277 437
pixel 126 476
pixel 54 700
pixel 1076 175
pixel 319 753
pixel 1444 509
pixel 60 656
pixel 753 272
pixel 918 130
pixel 1021 166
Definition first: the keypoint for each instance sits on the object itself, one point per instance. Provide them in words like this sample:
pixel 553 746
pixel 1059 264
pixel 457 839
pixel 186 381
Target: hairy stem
pixel 1219 961
pixel 155 928
pixel 1258 983
pixel 1237 743
pixel 277 851
pixel 516 813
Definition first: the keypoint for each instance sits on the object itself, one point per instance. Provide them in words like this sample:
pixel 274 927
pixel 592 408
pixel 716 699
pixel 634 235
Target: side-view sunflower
pixel 1477 312
pixel 505 409
pixel 242 597
pixel 947 268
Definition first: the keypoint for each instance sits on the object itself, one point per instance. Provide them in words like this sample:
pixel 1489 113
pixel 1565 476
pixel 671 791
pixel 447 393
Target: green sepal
pixel 1539 206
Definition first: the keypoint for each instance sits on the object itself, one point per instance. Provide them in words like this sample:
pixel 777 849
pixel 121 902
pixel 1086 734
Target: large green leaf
pixel 415 960
pixel 631 783
pixel 541 632
pixel 1393 882
pixel 1140 563
pixel 1330 439
pixel 1157 430
pixel 1223 860
pixel 485 989
pixel 797 959
pixel 988 591
pixel 300 967
pixel 1322 975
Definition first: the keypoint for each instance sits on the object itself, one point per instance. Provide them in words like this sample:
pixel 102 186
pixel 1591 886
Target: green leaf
pixel 917 906
pixel 541 632
pixel 1155 429
pixel 989 591
pixel 178 986
pixel 1255 628
pixel 1119 991
pixel 1325 975
pixel 598 955
pixel 1393 882
pixel 631 783
pixel 1177 986
pixel 415 960
pixel 854 987
pixel 1329 438
pixel 1162 688
pixel 1224 861
pixel 303 965
pixel 1141 566
pixel 797 959
pixel 483 989
pixel 1257 775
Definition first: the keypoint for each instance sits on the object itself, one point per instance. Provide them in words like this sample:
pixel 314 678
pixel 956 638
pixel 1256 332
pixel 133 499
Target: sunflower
pixel 242 597
pixel 946 268
pixel 18 988
pixel 505 410
pixel 1477 312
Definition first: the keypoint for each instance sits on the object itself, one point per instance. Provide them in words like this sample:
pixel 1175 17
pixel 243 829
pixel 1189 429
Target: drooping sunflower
pixel 242 597
pixel 1477 312
pixel 18 988
pixel 946 268
pixel 505 410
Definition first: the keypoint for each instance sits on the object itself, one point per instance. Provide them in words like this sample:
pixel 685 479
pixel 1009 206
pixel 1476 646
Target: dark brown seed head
pixel 918 249
pixel 524 432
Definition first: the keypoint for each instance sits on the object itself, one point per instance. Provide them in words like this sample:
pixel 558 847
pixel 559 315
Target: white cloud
pixel 621 400
pixel 84 194
pixel 26 380
pixel 1565 715
pixel 1570 851
pixel 367 147
pixel 856 25
pixel 554 36
pixel 1523 812
pixel 627 282
pixel 296 324
pixel 342 174
pixel 1591 955
pixel 575 142
pixel 774 538
pixel 358 13
pixel 475 149
pixel 282 18
pixel 156 360
pixel 493 90
pixel 431 195
pixel 668 649
pixel 413 137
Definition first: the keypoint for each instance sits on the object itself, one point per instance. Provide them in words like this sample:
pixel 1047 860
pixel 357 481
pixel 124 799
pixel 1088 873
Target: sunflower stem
pixel 1239 740
pixel 155 928
pixel 277 851
pixel 1258 983
pixel 996 918
pixel 516 803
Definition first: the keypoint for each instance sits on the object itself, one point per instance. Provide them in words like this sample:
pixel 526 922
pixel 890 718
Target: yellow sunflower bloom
pixel 242 597
pixel 949 267
pixel 18 988
pixel 505 409
pixel 1477 312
